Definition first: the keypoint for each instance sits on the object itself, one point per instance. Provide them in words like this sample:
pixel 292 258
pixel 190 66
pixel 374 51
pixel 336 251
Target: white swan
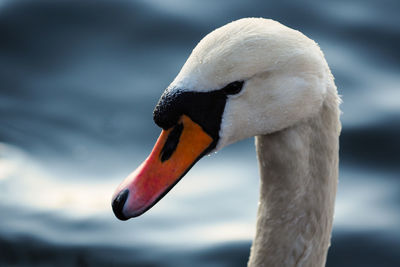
pixel 253 77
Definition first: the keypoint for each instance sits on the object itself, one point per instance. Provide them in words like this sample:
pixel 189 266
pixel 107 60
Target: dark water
pixel 78 83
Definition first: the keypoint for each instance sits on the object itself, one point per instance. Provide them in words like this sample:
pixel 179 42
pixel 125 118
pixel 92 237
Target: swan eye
pixel 233 88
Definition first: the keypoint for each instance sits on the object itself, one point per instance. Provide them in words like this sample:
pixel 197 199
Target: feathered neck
pixel 299 172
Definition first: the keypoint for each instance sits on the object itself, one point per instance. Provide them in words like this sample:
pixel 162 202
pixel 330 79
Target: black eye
pixel 233 88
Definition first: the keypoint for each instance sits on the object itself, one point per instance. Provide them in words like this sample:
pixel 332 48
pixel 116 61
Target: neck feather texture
pixel 299 172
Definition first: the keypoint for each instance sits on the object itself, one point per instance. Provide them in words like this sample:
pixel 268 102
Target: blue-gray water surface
pixel 78 83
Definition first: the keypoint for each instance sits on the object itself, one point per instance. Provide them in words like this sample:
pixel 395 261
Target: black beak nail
pixel 118 204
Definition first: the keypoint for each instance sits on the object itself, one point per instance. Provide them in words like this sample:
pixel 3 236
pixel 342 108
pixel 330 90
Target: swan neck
pixel 299 171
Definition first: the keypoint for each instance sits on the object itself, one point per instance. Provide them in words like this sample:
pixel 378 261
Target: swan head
pixel 250 77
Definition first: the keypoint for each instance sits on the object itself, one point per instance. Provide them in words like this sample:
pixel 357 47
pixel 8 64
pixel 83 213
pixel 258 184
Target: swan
pixel 253 77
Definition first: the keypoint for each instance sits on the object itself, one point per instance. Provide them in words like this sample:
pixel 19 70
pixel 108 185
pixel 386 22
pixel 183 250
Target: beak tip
pixel 118 204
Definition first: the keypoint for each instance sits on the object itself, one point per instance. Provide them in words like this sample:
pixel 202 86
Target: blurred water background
pixel 78 83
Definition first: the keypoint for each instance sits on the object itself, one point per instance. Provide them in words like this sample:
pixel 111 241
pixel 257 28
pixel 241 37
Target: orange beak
pixel 175 152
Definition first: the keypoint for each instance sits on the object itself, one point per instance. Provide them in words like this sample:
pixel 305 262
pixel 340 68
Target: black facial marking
pixel 233 88
pixel 204 108
pixel 171 143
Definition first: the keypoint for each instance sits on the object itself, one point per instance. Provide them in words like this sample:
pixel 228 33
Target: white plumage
pixel 290 103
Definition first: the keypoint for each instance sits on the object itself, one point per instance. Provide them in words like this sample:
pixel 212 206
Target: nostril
pixel 118 205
